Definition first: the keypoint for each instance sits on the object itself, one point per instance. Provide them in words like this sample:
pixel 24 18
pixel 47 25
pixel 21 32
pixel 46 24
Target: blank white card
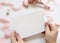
pixel 29 24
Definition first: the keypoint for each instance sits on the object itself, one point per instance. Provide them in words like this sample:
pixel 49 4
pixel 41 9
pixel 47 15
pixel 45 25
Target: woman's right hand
pixel 51 33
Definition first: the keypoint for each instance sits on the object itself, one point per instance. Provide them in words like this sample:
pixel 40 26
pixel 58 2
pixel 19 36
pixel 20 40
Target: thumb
pixel 47 28
pixel 19 39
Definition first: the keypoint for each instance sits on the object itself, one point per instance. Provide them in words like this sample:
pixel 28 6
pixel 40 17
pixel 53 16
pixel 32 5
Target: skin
pixel 15 38
pixel 50 34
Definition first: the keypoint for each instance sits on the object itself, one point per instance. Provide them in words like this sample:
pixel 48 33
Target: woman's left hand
pixel 15 38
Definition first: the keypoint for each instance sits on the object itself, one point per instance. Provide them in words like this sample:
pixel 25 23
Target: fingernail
pixel 17 34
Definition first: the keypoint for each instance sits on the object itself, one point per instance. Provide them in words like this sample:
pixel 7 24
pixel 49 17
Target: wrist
pixel 51 42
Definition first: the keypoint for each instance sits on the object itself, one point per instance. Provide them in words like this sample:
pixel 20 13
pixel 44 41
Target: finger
pixel 53 27
pixel 18 38
pixel 47 28
pixel 13 39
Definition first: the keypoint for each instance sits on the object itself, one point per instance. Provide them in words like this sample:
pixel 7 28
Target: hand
pixel 15 38
pixel 50 33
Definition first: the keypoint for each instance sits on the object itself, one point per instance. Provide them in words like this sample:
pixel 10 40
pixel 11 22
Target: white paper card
pixel 29 24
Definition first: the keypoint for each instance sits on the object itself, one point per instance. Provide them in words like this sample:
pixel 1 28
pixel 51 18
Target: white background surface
pixel 38 38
